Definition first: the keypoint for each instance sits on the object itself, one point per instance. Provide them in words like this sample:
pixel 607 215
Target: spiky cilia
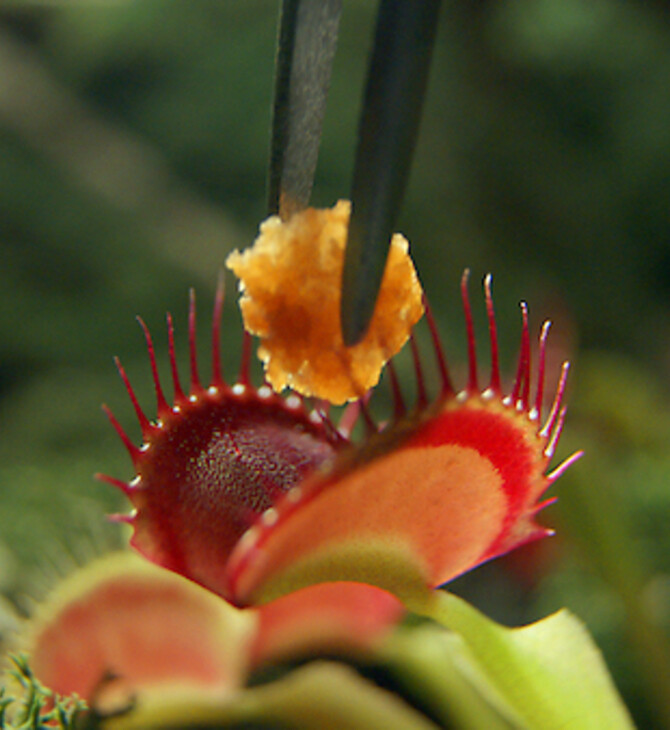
pixel 214 460
pixel 252 495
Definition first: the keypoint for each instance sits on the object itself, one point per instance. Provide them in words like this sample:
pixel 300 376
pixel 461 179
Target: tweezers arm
pixel 389 124
pixel 305 50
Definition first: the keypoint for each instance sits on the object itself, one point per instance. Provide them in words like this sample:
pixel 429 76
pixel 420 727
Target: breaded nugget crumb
pixel 290 282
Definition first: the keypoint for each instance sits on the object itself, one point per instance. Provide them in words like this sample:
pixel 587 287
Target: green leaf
pixel 550 674
pixel 321 695
pixel 433 668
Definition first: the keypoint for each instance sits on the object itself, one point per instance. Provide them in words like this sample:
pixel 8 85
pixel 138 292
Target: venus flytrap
pixel 287 540
pixel 253 495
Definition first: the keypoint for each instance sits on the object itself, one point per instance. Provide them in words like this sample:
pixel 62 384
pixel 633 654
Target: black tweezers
pixel 389 123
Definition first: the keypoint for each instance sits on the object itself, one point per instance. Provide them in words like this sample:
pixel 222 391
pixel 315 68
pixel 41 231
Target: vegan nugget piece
pixel 290 282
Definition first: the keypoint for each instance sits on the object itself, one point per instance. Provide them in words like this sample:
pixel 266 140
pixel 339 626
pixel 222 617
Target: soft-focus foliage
pixel 133 141
pixel 146 648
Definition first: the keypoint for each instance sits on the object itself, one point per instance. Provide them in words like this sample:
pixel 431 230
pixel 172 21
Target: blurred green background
pixel 133 145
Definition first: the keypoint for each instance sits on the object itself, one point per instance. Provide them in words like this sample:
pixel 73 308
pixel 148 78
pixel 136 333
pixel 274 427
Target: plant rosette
pixel 284 555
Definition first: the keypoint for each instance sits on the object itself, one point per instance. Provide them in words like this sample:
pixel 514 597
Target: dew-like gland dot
pixel 239 389
pixel 249 537
pixel 294 495
pixel 293 402
pixel 270 517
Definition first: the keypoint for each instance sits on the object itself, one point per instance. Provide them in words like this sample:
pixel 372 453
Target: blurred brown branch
pixel 115 164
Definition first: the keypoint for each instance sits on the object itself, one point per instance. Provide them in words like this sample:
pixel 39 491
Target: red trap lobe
pixel 252 495
pixel 214 460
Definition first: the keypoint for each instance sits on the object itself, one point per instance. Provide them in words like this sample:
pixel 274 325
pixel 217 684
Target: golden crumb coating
pixel 290 281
